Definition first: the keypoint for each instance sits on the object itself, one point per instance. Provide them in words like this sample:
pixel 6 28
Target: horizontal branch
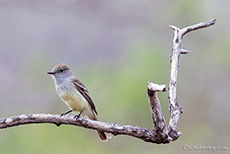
pixel 144 134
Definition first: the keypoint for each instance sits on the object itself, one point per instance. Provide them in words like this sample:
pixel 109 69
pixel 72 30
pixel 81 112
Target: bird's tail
pixel 103 136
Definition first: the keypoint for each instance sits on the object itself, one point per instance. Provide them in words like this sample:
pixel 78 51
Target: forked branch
pixel 174 109
pixel 160 134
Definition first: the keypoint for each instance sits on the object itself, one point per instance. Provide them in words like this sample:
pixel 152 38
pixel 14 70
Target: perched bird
pixel 74 93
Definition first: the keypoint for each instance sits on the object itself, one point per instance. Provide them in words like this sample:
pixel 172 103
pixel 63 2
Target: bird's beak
pixel 51 73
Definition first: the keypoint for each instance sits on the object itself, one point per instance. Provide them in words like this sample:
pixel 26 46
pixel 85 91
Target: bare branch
pixel 197 26
pixel 145 134
pixel 174 109
pixel 158 118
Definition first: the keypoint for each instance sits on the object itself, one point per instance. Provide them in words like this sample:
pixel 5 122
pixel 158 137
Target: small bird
pixel 75 95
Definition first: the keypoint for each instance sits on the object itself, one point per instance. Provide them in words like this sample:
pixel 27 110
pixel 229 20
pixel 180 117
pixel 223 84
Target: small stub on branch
pixel 173 27
pixel 183 51
pixel 156 87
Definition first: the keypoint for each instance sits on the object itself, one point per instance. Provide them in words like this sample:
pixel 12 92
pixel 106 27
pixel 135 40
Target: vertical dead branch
pixel 174 109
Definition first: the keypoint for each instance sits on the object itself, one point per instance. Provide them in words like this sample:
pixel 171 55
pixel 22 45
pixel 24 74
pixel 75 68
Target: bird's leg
pixel 66 113
pixel 78 116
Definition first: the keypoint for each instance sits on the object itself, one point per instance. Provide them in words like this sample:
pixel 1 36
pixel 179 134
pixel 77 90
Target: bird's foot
pixel 66 113
pixel 79 115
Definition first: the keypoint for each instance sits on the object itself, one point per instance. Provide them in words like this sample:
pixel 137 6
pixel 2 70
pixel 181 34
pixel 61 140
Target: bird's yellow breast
pixel 74 100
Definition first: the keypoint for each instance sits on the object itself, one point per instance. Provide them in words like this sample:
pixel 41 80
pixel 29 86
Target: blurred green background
pixel 114 47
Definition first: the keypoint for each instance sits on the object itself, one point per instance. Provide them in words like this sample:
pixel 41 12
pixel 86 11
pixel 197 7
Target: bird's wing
pixel 85 93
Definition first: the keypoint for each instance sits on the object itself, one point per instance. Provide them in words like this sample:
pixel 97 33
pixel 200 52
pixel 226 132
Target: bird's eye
pixel 61 70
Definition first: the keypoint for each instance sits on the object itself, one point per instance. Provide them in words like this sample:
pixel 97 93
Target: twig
pixel 160 134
